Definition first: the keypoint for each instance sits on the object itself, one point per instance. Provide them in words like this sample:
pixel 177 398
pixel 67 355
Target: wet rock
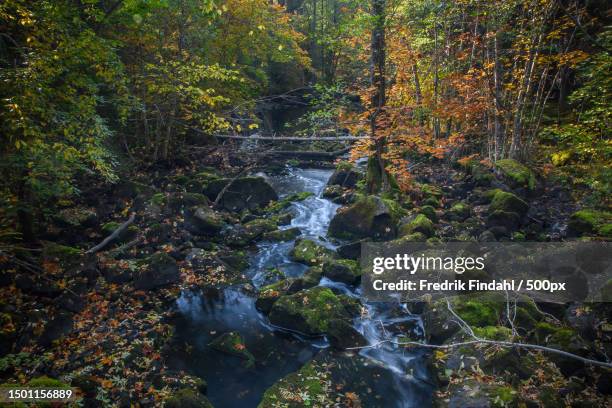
pixel 474 394
pixel 342 335
pixel 370 216
pixel 77 217
pixel 508 220
pixel 177 202
pixel 310 311
pixel 309 252
pixel 159 232
pixel 350 251
pixel 516 174
pixel 342 270
pixel 232 343
pixel 333 192
pixel 270 294
pixel 282 235
pixel 203 220
pixel 187 398
pixel 244 193
pixel 420 224
pixel 345 176
pixel 159 270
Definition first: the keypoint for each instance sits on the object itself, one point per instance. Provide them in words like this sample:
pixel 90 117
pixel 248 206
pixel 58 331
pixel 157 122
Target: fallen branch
pixel 491 342
pixel 112 236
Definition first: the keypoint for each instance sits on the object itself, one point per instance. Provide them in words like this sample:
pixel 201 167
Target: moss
pixel 305 387
pixel 503 396
pixel 54 250
pixel 518 174
pixel 309 311
pixel 591 221
pixel 508 202
pixel 110 227
pixel 77 216
pixel 232 343
pixel 279 205
pixel 493 332
pixel 420 224
pixel 430 190
pixel 47 382
pixel 432 201
pixel 187 398
pixel 344 166
pixel 181 180
pixel 518 237
pixel 414 237
pixel 309 252
pixel 429 212
pixel 158 199
pixel 478 313
pixel 395 208
pixel 460 210
pixel 487 196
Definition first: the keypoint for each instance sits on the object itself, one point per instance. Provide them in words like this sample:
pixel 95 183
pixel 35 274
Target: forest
pixel 187 188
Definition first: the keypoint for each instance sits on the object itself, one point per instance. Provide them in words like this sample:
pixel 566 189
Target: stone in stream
pixel 244 193
pixel 344 176
pixel 309 252
pixel 310 311
pixel 232 343
pixel 271 293
pixel 282 235
pixel 370 216
pixel 342 270
pixel 187 398
pixel 202 220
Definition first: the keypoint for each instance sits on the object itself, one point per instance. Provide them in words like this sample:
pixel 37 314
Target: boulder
pixel 309 252
pixel 429 212
pixel 370 216
pixel 187 398
pixel 242 235
pixel 77 217
pixel 232 343
pixel 508 202
pixel 158 270
pixel 342 270
pixel 244 193
pixel 589 221
pixel 342 335
pixel 420 223
pixel 310 311
pixel 508 220
pixel 516 174
pixel 203 220
pixel 459 211
pixel 282 235
pixel 344 176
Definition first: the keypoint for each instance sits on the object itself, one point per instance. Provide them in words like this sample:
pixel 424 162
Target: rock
pixel 309 252
pixel 566 339
pixel 130 189
pixel 271 293
pixel 232 343
pixel 429 212
pixel 342 270
pixel 159 270
pixel 77 217
pixel 414 237
pixel 333 192
pixel 187 398
pixel 244 193
pixel 508 202
pixel 203 221
pixel 351 250
pixel 342 335
pixel 589 221
pixel 286 202
pixel 459 211
pixel 432 201
pixel 344 176
pixel 282 235
pixel 242 235
pixel 516 174
pixel 508 220
pixel 177 202
pixel 127 234
pixel 474 394
pixel 420 223
pixel 310 311
pixel 370 216
pixel 159 232
pixel 57 328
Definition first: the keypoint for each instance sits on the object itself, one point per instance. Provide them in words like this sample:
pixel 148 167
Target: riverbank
pixel 124 326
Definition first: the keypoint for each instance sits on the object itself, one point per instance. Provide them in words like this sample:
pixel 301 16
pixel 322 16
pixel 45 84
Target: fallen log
pixel 309 154
pixel 112 236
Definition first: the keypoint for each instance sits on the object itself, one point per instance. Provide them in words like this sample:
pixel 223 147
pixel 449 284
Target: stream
pixel 207 314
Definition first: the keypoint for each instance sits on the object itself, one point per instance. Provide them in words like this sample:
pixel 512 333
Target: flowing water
pixel 205 315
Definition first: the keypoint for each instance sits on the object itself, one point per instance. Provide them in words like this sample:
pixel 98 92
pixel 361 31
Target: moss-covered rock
pixel 279 205
pixel 432 201
pixel 282 235
pixel 77 217
pixel 459 211
pixel 187 398
pixel 369 216
pixel 344 176
pixel 232 343
pixel 508 220
pixel 508 202
pixel 158 270
pixel 429 212
pixel 414 237
pixel 242 235
pixel 247 193
pixel 589 221
pixel 203 220
pixel 420 223
pixel 310 311
pixel 310 253
pixel 517 174
pixel 342 270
